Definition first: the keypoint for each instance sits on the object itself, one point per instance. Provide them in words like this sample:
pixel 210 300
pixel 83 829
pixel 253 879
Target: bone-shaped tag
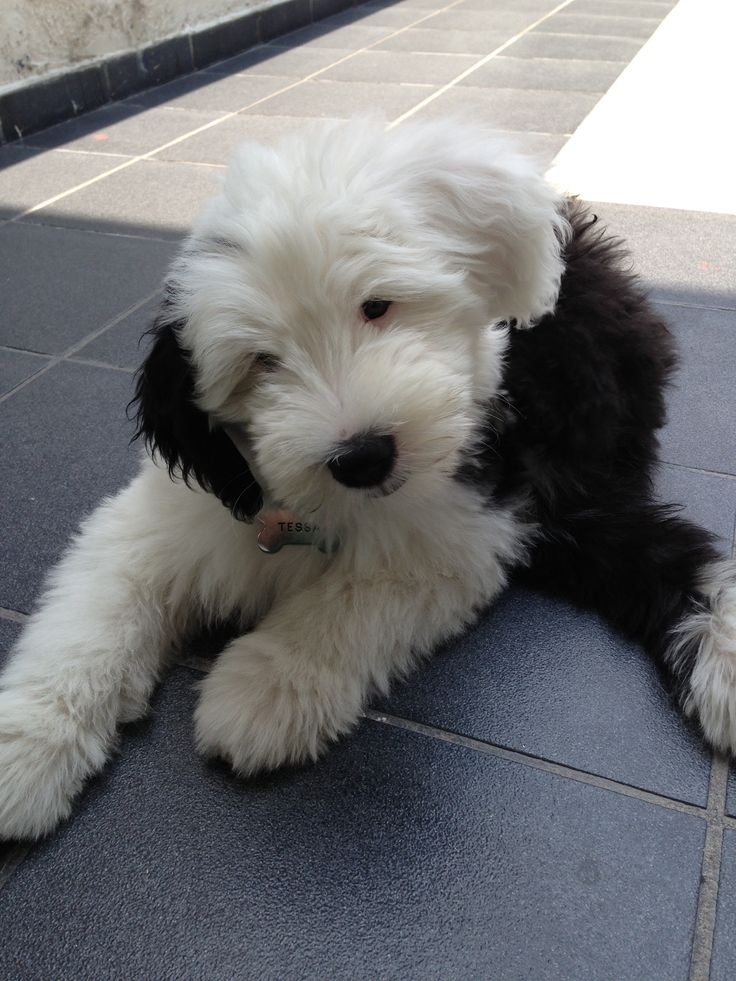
pixel 283 527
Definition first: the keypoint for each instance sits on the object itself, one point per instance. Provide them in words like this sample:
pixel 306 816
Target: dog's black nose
pixel 364 461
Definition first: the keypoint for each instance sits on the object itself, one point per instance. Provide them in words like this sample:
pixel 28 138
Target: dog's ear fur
pixel 492 210
pixel 179 433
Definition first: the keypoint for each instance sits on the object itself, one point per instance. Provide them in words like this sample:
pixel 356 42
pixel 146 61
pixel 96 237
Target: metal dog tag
pixel 283 527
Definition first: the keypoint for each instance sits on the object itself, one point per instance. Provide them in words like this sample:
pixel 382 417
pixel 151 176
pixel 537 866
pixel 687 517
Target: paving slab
pixel 125 344
pixel 539 676
pixel 325 34
pixel 701 431
pixel 684 256
pixel 16 366
pixel 151 199
pixel 624 8
pixel 275 59
pixel 121 130
pixel 708 499
pixel 546 73
pixel 494 20
pixel 335 870
pixel 404 66
pixel 478 43
pixel 211 93
pixel 724 939
pixel 64 446
pixel 515 109
pixel 58 285
pixel 217 145
pixel 319 98
pixel 572 21
pixel 30 176
pixel 545 44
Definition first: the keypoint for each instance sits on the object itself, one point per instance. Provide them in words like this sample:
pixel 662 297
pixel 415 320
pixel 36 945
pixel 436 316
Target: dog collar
pixel 281 526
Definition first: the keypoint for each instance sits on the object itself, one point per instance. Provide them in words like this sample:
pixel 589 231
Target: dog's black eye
pixel 373 309
pixel 267 362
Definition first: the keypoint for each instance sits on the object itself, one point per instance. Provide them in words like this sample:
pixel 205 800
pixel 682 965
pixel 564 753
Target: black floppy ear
pixel 180 433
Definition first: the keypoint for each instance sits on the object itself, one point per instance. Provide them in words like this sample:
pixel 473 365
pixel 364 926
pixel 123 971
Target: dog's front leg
pixel 279 695
pixel 88 658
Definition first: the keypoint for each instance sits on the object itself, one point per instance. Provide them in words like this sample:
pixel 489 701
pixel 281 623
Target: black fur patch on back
pixel 575 433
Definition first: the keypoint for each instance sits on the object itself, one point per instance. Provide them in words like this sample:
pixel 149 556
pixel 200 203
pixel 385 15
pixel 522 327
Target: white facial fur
pixel 447 222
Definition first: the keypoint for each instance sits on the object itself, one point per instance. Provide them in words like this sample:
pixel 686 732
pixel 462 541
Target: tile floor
pixel 529 805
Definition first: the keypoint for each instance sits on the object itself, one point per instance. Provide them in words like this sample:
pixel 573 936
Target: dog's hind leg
pixel 88 658
pixel 659 579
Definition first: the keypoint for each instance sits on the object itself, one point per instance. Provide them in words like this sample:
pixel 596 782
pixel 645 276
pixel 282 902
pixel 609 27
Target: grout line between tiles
pixel 705 917
pixel 538 763
pixel 700 470
pixel 688 306
pixel 66 355
pixel 22 350
pixel 101 364
pixel 15 615
pixel 49 222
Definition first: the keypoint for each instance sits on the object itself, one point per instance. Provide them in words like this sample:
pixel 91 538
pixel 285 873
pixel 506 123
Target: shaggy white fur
pixel 459 232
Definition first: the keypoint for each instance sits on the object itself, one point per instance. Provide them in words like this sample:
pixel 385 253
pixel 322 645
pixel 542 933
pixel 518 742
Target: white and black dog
pixel 341 355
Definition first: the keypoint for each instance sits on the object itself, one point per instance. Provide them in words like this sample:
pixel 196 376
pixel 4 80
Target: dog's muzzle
pixel 365 460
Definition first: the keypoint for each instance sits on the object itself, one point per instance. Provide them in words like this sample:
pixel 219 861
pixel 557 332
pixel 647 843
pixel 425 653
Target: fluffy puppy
pixel 342 346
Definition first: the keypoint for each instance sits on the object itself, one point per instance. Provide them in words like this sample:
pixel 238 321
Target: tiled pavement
pixel 529 805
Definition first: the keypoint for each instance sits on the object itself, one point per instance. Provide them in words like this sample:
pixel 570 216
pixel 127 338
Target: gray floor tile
pixel 16 366
pixel 541 677
pixel 701 431
pixel 335 870
pixel 405 66
pixel 586 47
pixel 573 22
pixel 724 939
pixel 685 256
pixel 537 7
pixel 123 345
pixel 508 21
pixel 325 34
pixel 28 176
pixel 59 285
pixel 731 801
pixel 625 8
pixel 478 43
pixel 217 145
pixel 64 446
pixel 546 73
pixel 343 99
pixel 121 129
pixel 211 93
pixel 272 59
pixel 389 16
pixel 151 198
pixel 707 499
pixel 516 109
pixel 9 633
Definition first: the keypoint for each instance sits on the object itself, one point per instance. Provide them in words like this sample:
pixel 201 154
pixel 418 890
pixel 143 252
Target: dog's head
pixel 337 302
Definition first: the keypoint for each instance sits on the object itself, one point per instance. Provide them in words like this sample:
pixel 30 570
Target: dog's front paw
pixel 264 706
pixel 44 760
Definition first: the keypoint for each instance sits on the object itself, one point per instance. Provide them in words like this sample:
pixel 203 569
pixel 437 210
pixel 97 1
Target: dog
pixel 390 370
